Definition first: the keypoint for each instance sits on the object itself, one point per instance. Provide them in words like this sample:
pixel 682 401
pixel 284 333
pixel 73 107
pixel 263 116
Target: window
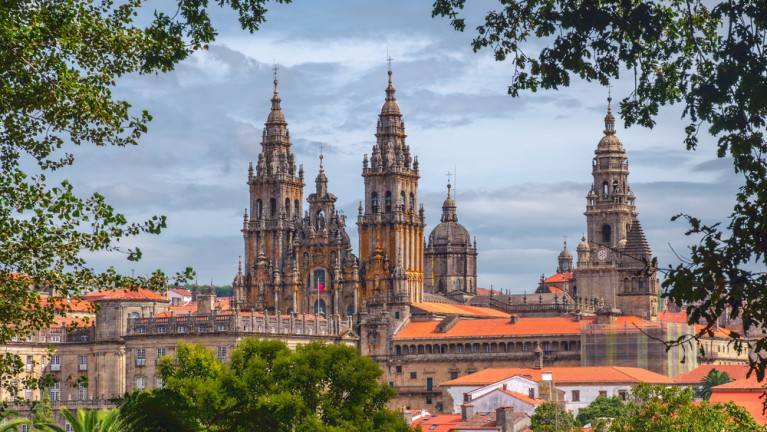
pixel 374 202
pixel 259 209
pixel 531 393
pixel 576 396
pixel 474 348
pixel 54 391
pixel 605 189
pixel 603 393
pixel 402 199
pixel 622 394
pixel 420 349
pixel 14 338
pixel 160 382
pixel 526 347
pixel 142 330
pixel 83 362
pixel 55 338
pixel 161 329
pixel 453 375
pixel 606 233
pixel 428 400
pixel 488 348
pixel 14 388
pixel 459 349
pixel 221 354
pixel 287 207
pixel 68 427
pixel 160 354
pixel 412 201
pixel 398 369
pixel 221 327
pixel 547 348
pixel 181 329
pixel 140 357
pixel 133 315
pixel 83 338
pixel 413 375
pixel 28 394
pixel 82 392
pixel 140 383
pixel 42 339
pixel 55 363
pixel 272 207
pixel 297 208
pixel 200 329
pixel 30 363
pixel 388 201
pixel 25 428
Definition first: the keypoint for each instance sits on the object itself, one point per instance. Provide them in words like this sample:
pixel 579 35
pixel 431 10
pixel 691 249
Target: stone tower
pixel 450 258
pixel 325 258
pixel 391 225
pixel 269 226
pixel 614 261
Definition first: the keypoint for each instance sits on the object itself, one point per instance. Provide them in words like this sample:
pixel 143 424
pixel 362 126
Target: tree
pixel 60 62
pixel 9 422
pixel 265 386
pixel 712 379
pixel 659 408
pixel 103 420
pixel 707 56
pixel 550 417
pixel 602 407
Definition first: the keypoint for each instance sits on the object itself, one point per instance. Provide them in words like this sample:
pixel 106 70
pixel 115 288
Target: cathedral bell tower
pixel 391 225
pixel 615 263
pixel 269 226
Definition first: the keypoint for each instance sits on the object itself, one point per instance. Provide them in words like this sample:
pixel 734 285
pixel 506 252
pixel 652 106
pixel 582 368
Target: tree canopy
pixel 601 408
pixel 551 417
pixel 708 57
pixel 265 386
pixel 60 62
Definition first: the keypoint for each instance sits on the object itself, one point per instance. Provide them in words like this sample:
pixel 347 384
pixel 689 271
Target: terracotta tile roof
pixel 716 331
pixel 675 317
pixel 554 290
pixel 181 291
pixel 495 327
pixel 458 309
pixel 743 384
pixel 523 397
pixel 735 372
pixel 72 322
pixel 124 294
pixel 751 401
pixel 440 423
pixel 564 375
pixel 482 420
pixel 60 303
pixel 559 277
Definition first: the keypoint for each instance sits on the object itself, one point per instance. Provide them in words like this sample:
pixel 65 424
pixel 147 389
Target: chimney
pixel 408 415
pixel 504 417
pixel 514 318
pixel 205 303
pixel 467 411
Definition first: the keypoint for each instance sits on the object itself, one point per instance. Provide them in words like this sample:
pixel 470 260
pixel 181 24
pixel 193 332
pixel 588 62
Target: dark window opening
pixel 374 201
pixel 388 201
pixel 606 233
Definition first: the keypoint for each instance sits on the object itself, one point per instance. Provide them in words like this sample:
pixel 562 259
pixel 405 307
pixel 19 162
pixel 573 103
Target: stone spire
pixel 321 181
pixel 276 116
pixel 390 153
pixel 448 208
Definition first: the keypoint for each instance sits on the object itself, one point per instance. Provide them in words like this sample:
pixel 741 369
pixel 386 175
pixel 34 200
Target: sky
pixel 521 166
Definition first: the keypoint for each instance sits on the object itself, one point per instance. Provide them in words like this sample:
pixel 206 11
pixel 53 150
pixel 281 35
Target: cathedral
pixel 299 259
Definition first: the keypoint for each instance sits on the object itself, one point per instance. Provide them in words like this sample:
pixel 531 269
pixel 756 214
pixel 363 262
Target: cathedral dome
pixel 583 245
pixel 449 232
pixel 609 142
pixel 565 254
pixel 275 115
pixel 390 106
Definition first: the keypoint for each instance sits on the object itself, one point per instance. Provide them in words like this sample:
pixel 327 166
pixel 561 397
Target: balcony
pixel 82 367
pixel 140 362
pixel 56 367
pixel 417 389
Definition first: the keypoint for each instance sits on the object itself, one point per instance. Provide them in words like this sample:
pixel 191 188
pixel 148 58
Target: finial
pixel 609 118
pixel 388 61
pixel 275 69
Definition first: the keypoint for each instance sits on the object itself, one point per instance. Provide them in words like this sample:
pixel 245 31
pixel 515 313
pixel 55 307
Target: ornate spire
pixel 390 106
pixel 322 180
pixel 448 207
pixel 609 118
pixel 276 116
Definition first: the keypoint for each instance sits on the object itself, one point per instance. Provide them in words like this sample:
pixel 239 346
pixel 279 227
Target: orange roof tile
pixel 676 317
pixel 751 401
pixel 494 327
pixel 60 303
pixel 458 309
pixel 554 290
pixel 743 384
pixel 124 294
pixel 559 277
pixel 441 423
pixel 523 397
pixel 60 321
pixel 181 291
pixel 564 375
pixel 735 372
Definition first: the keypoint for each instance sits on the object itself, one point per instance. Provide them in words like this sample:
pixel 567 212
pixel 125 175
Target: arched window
pixel 626 285
pixel 641 284
pixel 441 286
pixel 319 219
pixel 526 347
pixel 374 201
pixel 259 209
pixel 458 284
pixel 318 284
pixel 402 198
pixel 297 208
pixel 272 208
pixel 287 206
pixel 133 315
pixel 388 201
pixel 547 348
pixel 412 201
pixel 616 187
pixel 606 233
pixel 350 311
pixel 633 284
pixel 605 188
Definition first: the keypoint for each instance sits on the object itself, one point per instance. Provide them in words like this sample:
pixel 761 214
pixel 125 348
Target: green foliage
pixel 60 61
pixel 103 420
pixel 10 422
pixel 550 417
pixel 713 379
pixel 707 56
pixel 601 407
pixel 265 386
pixel 659 408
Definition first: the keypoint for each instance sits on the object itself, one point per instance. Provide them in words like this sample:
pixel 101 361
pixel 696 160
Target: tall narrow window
pixel 606 233
pixel 374 202
pixel 388 201
pixel 287 206
pixel 259 209
pixel 605 190
pixel 272 208
pixel 297 208
pixel 412 201
pixel 402 199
